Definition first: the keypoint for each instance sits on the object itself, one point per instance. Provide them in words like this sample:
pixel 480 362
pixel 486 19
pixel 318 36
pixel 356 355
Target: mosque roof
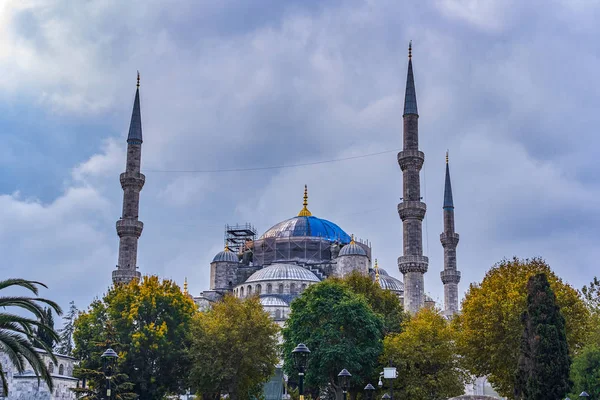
pixel 305 224
pixel 352 249
pixel 273 301
pixel 226 256
pixel 278 272
pixel 390 283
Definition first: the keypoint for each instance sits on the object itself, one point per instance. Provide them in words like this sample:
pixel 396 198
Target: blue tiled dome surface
pixel 307 226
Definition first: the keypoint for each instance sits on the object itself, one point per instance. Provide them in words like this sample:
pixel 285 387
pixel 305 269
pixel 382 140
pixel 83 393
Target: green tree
pixel 148 324
pixel 544 362
pixel 341 331
pixel 490 322
pixel 234 349
pixel 383 302
pixel 18 332
pixel 425 356
pixel 42 335
pixel 65 344
pixel 585 372
pixel 591 296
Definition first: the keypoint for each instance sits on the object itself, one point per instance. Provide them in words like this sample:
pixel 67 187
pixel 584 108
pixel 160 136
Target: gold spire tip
pixel 376 271
pixel 446 156
pixel 410 49
pixel 305 212
pixel 226 247
pixel 185 286
pixel 138 79
pixel 352 239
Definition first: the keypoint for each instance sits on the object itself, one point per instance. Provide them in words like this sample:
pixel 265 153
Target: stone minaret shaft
pixel 450 275
pixel 129 228
pixel 412 210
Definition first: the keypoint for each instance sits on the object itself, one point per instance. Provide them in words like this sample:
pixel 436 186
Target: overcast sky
pixel 509 87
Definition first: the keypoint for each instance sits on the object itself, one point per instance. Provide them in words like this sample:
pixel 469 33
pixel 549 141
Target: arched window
pixel 51 367
pixel 280 289
pixel 277 314
pixel 258 289
pixel 293 288
pixel 269 288
pixel 241 292
pixel 249 290
pixel 303 287
pixel 61 369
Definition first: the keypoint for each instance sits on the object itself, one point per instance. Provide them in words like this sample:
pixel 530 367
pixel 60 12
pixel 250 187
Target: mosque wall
pixel 345 265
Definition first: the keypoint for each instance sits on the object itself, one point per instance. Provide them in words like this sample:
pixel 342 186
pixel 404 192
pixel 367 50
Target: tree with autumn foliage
pixel 490 325
pixel 234 349
pixel 147 323
pixel 426 358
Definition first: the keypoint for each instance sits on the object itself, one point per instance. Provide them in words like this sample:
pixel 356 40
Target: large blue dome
pixel 307 226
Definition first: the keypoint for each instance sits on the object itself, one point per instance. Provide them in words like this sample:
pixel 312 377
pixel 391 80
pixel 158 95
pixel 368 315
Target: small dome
pixel 226 256
pixel 390 283
pixel 352 249
pixel 278 272
pixel 273 301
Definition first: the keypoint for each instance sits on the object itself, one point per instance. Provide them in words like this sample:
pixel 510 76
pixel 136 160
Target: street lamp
pixel 369 389
pixel 109 357
pixel 300 355
pixel 344 380
pixel 386 396
pixel 584 394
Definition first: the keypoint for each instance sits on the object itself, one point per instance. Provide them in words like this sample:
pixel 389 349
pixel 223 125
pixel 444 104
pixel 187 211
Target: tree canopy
pixel 234 349
pixel 426 359
pixel 383 302
pixel 65 344
pixel 585 371
pixel 148 324
pixel 341 331
pixel 544 362
pixel 490 322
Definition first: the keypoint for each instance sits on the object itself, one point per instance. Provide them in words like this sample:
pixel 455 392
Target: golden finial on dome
pixel 185 286
pixel 226 247
pixel 304 212
pixel 138 79
pixel 352 239
pixel 376 272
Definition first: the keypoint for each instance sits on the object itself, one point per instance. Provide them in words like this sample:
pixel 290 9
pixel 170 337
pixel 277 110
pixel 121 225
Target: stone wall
pixel 25 386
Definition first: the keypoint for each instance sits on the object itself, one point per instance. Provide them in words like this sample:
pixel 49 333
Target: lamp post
pixel 584 395
pixel 386 396
pixel 369 389
pixel 344 380
pixel 109 357
pixel 300 355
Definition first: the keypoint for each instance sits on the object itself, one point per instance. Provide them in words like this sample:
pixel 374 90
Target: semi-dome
pixel 390 283
pixel 273 301
pixel 279 272
pixel 226 256
pixel 352 249
pixel 305 224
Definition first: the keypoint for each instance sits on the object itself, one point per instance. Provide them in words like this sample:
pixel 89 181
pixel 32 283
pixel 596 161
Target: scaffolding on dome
pixel 237 236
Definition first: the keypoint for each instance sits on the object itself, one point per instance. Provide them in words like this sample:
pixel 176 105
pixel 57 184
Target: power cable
pixel 207 171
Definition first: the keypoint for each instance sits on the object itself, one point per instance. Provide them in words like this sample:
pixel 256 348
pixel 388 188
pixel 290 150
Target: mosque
pixel 305 249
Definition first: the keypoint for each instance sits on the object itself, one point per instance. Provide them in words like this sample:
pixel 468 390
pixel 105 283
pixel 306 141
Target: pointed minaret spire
pixel 450 275
pixel 135 127
pixel 129 227
pixel 412 263
pixel 410 96
pixel 448 203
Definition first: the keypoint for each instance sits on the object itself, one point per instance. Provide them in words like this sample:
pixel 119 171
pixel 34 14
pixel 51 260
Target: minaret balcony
pixel 411 158
pixel 450 276
pixel 449 239
pixel 413 264
pixel 132 179
pixel 129 227
pixel 412 210
pixel 125 275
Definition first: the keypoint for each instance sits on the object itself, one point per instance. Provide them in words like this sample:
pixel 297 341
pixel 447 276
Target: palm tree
pixel 17 333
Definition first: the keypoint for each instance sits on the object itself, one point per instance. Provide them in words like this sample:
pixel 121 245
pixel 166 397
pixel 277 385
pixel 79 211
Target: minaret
pixel 412 210
pixel 450 276
pixel 129 228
